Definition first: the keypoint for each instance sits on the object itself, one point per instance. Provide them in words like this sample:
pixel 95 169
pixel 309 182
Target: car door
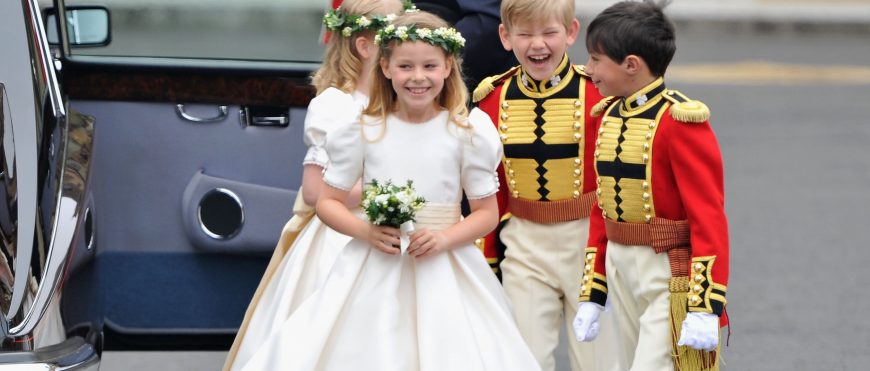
pixel 199 107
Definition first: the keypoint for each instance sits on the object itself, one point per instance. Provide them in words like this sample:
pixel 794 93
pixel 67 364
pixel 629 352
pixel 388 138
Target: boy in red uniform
pixel 541 109
pixel 658 237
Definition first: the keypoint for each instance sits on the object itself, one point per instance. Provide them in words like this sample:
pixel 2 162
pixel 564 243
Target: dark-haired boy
pixel 658 237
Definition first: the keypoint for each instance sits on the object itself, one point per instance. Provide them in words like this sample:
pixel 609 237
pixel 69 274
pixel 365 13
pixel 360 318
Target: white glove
pixel 586 321
pixel 700 331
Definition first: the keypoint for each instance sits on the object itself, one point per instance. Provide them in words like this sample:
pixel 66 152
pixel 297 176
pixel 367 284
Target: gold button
pixel 590 257
pixel 515 194
pixel 576 182
pixel 603 214
pixel 648 135
pixel 578 114
pixel 505 105
pixel 582 288
pixel 513 183
pixel 597 180
pixel 576 172
pixel 646 207
pixel 507 162
pixel 598 142
pixel 577 162
pixel 695 300
pixel 600 205
pixel 697 288
pixel 596 153
pixel 645 196
pixel 699 267
pixel 503 137
pixel 511 172
pixel 601 131
pixel 699 278
pixel 585 279
pixel 645 158
pixel 648 218
pixel 598 192
pixel 644 185
pixel 645 146
pixel 503 127
pixel 576 194
pixel 577 103
pixel 587 269
pixel 577 125
pixel 652 124
pixel 504 116
pixel 577 137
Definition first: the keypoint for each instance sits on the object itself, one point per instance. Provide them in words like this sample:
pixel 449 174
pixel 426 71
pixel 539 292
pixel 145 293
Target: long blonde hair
pixel 454 95
pixel 342 64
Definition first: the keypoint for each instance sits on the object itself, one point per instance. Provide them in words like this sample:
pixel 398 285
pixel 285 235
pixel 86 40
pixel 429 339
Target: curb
pixel 756 15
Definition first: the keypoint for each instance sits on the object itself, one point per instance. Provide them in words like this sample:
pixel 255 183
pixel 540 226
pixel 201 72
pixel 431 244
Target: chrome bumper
pixel 72 354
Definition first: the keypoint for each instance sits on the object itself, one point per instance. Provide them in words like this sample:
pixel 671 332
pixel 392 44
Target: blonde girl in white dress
pixel 438 307
pixel 342 85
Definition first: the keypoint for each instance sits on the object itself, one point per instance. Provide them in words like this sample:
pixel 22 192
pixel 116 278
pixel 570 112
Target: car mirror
pixel 86 26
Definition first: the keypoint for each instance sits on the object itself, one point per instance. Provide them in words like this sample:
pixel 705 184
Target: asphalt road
pixel 794 137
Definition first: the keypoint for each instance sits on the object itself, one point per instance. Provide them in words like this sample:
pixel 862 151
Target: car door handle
pixel 222 114
pixel 264 116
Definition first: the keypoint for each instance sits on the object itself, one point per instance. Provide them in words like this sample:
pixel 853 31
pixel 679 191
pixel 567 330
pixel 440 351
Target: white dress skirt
pixel 307 248
pixel 384 312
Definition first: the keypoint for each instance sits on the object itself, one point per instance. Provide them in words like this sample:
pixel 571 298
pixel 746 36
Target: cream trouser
pixel 637 285
pixel 541 274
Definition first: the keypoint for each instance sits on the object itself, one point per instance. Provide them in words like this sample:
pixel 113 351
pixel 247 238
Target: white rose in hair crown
pixel 391 205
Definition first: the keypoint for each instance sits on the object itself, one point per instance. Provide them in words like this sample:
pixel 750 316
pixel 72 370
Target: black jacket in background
pixel 477 21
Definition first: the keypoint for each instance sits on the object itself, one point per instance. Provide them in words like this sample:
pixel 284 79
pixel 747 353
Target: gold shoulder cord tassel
pixel 602 105
pixel 687 358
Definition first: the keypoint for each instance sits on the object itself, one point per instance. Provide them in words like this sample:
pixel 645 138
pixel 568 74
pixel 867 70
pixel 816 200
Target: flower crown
pixel 337 20
pixel 445 37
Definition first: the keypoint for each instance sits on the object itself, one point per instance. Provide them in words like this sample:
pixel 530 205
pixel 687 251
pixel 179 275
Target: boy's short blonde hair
pixel 536 11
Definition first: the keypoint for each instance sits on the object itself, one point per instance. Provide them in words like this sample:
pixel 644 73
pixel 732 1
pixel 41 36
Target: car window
pixel 266 30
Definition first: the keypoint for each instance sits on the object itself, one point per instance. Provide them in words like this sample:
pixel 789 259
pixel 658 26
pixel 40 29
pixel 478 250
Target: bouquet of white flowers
pixel 391 205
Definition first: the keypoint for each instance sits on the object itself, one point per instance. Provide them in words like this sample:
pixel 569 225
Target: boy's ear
pixel 573 31
pixel 633 64
pixel 504 35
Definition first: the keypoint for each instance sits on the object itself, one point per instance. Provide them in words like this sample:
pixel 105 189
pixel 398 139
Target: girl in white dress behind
pixel 437 307
pixel 342 85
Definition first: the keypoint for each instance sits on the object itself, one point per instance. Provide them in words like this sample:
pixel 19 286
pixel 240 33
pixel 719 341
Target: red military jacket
pixel 661 160
pixel 546 173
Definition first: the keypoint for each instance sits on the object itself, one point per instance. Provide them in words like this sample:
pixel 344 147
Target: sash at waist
pixel 437 217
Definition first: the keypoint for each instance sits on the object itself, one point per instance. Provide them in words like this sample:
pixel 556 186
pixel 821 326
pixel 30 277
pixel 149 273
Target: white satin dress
pixel 383 312
pixel 311 255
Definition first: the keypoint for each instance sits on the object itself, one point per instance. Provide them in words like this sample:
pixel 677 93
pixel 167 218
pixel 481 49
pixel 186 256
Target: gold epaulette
pixel 487 85
pixel 602 105
pixel 685 109
pixel 581 69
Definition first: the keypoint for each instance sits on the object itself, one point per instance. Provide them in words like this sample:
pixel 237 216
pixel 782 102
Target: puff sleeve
pixel 324 116
pixel 345 148
pixel 481 155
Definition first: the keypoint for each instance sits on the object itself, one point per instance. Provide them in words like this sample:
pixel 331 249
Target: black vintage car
pixel 145 221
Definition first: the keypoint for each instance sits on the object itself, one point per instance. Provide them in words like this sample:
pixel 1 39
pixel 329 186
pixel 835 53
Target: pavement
pixel 758 15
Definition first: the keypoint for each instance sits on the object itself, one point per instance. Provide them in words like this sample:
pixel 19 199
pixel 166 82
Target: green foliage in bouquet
pixel 390 205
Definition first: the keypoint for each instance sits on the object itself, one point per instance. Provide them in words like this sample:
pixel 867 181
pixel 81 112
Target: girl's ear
pixel 363 47
pixel 385 68
pixel 448 67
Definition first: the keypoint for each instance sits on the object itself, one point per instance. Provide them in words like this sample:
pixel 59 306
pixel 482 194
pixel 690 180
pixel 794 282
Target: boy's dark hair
pixel 639 28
